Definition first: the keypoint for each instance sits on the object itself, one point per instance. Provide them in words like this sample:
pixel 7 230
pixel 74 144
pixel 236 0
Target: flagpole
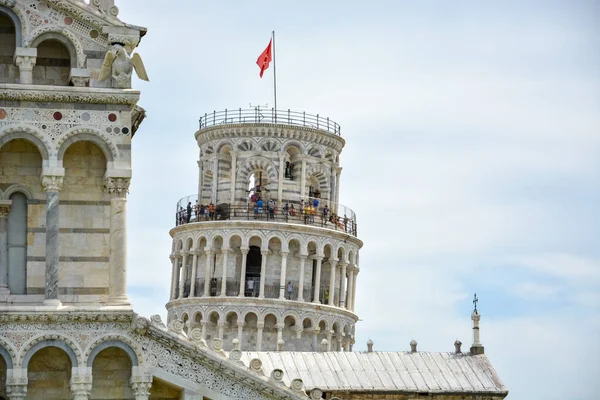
pixel 274 77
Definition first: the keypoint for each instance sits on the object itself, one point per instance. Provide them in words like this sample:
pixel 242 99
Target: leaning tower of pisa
pixel 265 253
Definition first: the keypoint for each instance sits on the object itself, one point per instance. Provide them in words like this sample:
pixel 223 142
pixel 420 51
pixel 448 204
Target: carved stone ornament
pixel 80 81
pixel 25 63
pixel 277 375
pixel 52 183
pixel 297 385
pixel 117 186
pixel 141 388
pixel 256 366
pixel 4 210
pixel 16 391
pixel 176 326
pixel 140 324
pixel 157 320
pixel 316 394
pixel 81 386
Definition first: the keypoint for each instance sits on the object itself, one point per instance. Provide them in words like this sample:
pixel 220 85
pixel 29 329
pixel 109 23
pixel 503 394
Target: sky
pixel 472 160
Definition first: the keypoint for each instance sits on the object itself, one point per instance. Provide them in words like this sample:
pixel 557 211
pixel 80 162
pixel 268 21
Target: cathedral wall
pixel 49 373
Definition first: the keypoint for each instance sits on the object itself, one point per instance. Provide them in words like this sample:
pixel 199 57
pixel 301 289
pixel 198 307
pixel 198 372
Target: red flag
pixel 265 59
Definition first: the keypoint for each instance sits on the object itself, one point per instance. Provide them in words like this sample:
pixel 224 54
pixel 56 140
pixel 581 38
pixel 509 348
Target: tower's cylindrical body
pixel 265 252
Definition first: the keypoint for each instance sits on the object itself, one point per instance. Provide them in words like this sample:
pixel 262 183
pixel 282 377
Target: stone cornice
pixel 293 132
pixel 67 94
pixel 217 363
pixel 66 316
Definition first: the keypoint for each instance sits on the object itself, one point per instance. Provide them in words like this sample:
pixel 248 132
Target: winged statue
pixel 118 64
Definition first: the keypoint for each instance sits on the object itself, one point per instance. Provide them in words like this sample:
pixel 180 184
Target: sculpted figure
pixel 119 65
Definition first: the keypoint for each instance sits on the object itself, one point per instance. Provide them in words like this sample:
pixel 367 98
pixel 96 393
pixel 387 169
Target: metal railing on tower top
pixel 269 116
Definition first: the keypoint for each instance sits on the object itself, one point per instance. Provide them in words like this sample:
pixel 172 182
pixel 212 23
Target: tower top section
pixel 270 116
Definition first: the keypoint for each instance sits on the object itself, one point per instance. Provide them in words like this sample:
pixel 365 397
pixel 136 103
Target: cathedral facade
pixel 264 259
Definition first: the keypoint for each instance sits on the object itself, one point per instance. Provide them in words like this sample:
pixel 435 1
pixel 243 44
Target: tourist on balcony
pixel 259 205
pixel 201 213
pixel 211 210
pixel 292 211
pixel 290 289
pixel 206 213
pixel 189 212
pixel 325 213
pixel 197 210
pixel 271 207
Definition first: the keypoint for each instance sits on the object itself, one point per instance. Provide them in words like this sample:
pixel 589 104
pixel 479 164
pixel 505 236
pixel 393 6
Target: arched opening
pixel 17 244
pixel 201 267
pixel 205 194
pixel 3 368
pixel 185 320
pixel 49 374
pixel 224 177
pixel 336 341
pixel 53 64
pixel 322 332
pixel 272 281
pixel 248 340
pixel 259 194
pixel 20 163
pixel 8 38
pixel 197 321
pixel 291 162
pixel 269 342
pixel 289 333
pixel 83 184
pixel 253 266
pixel 212 326
pixel 111 370
pixel 230 330
pixel 308 334
pixel 314 189
pixel 233 285
pixel 312 272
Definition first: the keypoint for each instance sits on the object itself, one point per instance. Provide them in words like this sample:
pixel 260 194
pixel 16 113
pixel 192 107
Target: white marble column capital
pixel 117 186
pixel 244 250
pixel 81 386
pixel 52 183
pixel 4 209
pixel 16 385
pixel 209 252
pixel 303 256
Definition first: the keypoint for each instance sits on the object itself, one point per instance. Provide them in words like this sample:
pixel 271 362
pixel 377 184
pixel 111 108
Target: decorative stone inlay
pixel 68 95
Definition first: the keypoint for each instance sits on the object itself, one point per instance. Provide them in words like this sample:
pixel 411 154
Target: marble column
pixel 284 255
pixel 317 288
pixel 203 325
pixel 25 58
pixel 215 182
pixel 224 273
pixel 280 183
pixel 52 185
pixel 200 178
pixel 329 338
pixel 221 326
pixel 263 273
pixel 194 273
pixel 332 266
pixel 303 181
pixel 4 209
pixel 209 257
pixel 301 280
pixel 233 173
pixel 173 258
pixel 343 285
pixel 280 327
pixel 350 294
pixel 240 333
pixel 81 385
pixel 183 274
pixel 243 273
pixel 355 273
pixel 259 334
pixel 118 189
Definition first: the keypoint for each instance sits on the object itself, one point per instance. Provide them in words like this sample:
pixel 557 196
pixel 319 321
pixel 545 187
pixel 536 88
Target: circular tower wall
pixel 265 252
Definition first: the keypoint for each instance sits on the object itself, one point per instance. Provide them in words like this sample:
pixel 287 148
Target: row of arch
pixel 77 355
pixel 344 251
pixel 33 39
pixel 292 147
pixel 57 150
pixel 329 322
